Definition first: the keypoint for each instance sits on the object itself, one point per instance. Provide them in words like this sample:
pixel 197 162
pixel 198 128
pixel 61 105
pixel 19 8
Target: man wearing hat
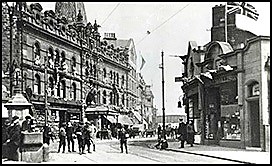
pixel 69 134
pixel 26 125
pixel 79 134
pixel 86 137
pixel 14 139
pixel 93 132
pixel 62 136
pixel 182 130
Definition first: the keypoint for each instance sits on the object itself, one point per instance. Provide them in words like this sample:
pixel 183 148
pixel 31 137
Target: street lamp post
pixel 163 106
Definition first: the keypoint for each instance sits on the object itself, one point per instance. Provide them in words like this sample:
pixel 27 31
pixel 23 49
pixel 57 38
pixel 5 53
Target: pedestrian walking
pixel 14 139
pixel 79 133
pixel 69 136
pixel 123 136
pixel 62 135
pixel 182 130
pixel 47 134
pixel 5 137
pixel 190 133
pixel 86 137
pixel 159 132
pixel 93 132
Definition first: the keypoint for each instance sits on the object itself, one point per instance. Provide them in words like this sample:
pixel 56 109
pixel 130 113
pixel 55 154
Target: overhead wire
pixel 110 13
pixel 149 32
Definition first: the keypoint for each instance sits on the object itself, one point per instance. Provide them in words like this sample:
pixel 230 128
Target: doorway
pixel 255 123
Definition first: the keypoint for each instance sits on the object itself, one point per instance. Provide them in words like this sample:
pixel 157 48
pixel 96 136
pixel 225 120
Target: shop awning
pixel 137 115
pixel 124 119
pixel 112 119
pixel 100 110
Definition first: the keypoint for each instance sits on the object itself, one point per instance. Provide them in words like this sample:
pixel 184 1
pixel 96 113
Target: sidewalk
pixel 225 153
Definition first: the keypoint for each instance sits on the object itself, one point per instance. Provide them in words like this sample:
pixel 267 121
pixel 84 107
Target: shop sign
pixel 224 79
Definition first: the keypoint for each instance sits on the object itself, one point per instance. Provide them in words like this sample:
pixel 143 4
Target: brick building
pixel 226 86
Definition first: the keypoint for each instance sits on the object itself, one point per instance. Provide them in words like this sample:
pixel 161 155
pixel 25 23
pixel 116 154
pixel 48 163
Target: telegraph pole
pixel 163 106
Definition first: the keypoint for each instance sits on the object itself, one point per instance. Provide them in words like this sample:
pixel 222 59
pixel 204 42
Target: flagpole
pixel 226 23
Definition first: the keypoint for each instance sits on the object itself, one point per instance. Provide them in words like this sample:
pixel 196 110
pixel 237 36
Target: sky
pixel 171 26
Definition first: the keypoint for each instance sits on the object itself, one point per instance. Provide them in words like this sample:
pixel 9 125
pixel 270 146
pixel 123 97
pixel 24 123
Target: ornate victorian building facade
pixel 62 66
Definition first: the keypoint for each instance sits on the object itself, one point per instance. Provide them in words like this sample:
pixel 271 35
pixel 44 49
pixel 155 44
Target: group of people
pixel 84 133
pixel 184 133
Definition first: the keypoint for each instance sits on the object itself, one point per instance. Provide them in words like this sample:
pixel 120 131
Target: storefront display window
pixel 230 120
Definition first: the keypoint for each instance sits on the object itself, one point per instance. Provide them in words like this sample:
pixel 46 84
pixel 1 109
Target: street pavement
pixel 142 150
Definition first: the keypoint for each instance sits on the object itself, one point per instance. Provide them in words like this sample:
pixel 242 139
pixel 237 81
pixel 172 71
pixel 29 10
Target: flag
pixel 142 62
pixel 242 8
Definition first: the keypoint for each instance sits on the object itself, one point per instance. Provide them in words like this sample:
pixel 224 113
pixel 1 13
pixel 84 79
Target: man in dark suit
pixel 123 135
pixel 14 139
pixel 182 130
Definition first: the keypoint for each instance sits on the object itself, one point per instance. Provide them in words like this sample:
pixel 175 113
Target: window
pixel 104 97
pixel 123 80
pixel 123 99
pixel 63 90
pixel 57 57
pixel 37 54
pixel 111 98
pixel 62 57
pixel 51 58
pixel 94 70
pixel 74 91
pixel 254 89
pixel 37 84
pixel 51 86
pixel 73 64
pixel 111 75
pixel 105 73
pixel 117 79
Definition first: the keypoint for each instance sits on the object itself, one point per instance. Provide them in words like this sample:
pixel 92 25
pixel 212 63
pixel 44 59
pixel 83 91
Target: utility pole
pixel 163 106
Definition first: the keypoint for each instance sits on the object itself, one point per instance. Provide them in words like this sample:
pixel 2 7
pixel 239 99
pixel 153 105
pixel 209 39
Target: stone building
pixel 61 64
pixel 65 59
pixel 226 86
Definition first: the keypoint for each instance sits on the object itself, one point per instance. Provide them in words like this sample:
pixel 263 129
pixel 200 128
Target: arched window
pixel 254 89
pixel 37 53
pixel 114 77
pixel 117 99
pixel 111 75
pixel 73 64
pixel 58 89
pixel 94 70
pixel 123 99
pixel 51 86
pixel 62 57
pixel 117 78
pixel 123 80
pixel 105 73
pixel 51 57
pixel 37 84
pixel 111 98
pixel 57 57
pixel 104 97
pixel 98 97
pixel 63 89
pixel 74 91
